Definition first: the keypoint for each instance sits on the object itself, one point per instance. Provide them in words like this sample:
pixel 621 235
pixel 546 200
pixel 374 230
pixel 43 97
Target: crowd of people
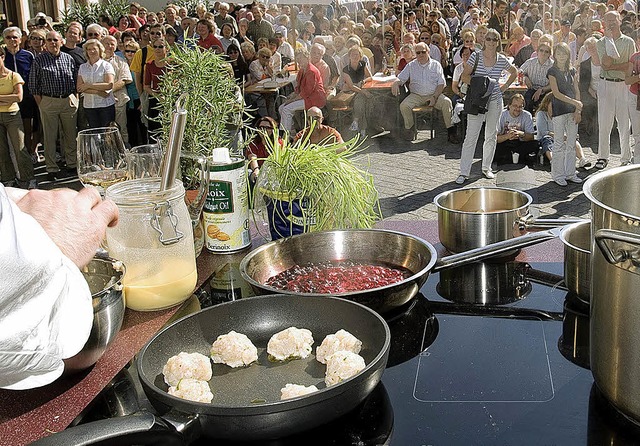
pixel 581 56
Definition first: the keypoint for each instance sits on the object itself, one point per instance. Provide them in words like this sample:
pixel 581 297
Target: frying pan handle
pixel 142 428
pixel 477 254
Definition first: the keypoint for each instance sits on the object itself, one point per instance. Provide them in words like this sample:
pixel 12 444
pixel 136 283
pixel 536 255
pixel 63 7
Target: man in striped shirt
pixel 52 81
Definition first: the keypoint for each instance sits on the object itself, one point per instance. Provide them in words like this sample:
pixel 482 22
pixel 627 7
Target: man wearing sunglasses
pixel 535 77
pixel 426 83
pixel 53 83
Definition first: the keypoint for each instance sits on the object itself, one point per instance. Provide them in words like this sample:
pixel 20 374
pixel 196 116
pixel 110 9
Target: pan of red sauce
pixel 379 268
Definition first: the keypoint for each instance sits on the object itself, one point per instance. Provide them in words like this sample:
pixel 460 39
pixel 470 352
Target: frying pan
pixel 369 246
pixel 246 403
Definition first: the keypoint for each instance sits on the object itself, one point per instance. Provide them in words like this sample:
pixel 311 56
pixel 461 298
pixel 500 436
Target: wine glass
pixel 101 157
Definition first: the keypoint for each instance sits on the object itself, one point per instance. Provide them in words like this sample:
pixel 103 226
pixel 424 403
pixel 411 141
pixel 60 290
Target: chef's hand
pixel 75 221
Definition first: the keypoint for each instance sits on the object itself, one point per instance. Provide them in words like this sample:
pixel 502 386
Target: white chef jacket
pixel 45 303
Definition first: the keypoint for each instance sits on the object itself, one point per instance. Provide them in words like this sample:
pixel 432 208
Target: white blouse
pixel 95 74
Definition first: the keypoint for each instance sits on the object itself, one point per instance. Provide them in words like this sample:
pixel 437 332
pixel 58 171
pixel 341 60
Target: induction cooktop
pixel 495 353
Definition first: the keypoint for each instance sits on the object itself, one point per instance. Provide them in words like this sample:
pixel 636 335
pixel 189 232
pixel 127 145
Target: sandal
pixel 601 163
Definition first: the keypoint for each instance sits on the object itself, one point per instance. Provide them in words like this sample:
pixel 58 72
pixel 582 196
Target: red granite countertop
pixel 26 416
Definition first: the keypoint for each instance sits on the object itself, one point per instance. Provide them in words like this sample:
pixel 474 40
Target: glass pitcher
pixel 154 239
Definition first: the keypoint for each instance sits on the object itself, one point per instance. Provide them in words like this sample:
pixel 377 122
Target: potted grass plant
pixel 215 114
pixel 304 187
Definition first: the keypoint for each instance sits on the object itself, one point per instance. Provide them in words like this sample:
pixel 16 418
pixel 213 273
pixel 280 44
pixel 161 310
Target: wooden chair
pixel 428 113
pixel 340 109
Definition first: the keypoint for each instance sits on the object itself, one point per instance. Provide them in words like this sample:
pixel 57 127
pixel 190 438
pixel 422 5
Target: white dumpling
pixel 292 343
pixel 186 365
pixel 234 349
pixel 342 365
pixel 192 390
pixel 295 390
pixel 342 340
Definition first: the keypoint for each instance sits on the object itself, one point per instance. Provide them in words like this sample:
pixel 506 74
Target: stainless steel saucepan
pixel 473 217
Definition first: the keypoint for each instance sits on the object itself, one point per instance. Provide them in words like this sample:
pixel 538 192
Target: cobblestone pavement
pixel 409 174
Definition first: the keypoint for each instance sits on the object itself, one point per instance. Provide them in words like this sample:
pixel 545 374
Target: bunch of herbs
pixel 341 194
pixel 215 110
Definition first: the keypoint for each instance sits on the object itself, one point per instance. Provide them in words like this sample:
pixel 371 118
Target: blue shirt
pixel 21 64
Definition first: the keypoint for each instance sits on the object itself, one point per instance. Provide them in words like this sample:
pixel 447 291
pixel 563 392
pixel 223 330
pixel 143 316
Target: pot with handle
pixel 615 281
pixel 473 217
pixel 577 259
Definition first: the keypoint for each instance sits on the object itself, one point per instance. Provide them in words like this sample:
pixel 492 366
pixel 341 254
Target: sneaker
pixel 575 179
pixel 461 179
pixel 488 174
pixel 354 126
pixel 584 163
pixel 561 182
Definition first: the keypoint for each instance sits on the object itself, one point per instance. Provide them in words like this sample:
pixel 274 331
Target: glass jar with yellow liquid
pixel 154 239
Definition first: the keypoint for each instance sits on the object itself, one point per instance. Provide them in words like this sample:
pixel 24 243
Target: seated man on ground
pixel 516 134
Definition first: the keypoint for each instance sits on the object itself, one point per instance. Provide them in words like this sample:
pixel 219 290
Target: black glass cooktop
pixel 487 354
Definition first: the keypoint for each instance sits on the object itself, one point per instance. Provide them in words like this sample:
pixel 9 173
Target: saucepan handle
pixel 529 222
pixel 494 249
pixel 142 428
pixel 621 249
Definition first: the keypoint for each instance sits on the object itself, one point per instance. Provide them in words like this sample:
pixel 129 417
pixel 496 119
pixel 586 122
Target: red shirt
pixel 152 75
pixel 210 41
pixel 310 87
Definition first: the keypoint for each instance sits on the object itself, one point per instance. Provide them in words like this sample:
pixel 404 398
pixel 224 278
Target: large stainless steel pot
pixel 577 259
pixel 473 217
pixel 615 281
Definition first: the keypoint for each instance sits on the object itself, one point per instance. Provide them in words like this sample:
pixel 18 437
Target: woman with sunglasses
pixel 239 65
pixel 468 41
pixel 36 42
pixel 491 64
pixel 152 74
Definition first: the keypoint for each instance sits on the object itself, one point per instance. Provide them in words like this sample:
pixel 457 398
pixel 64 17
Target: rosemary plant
pixel 341 194
pixel 215 111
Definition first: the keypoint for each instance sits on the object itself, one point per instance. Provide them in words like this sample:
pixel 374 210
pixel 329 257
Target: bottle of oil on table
pixel 226 211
